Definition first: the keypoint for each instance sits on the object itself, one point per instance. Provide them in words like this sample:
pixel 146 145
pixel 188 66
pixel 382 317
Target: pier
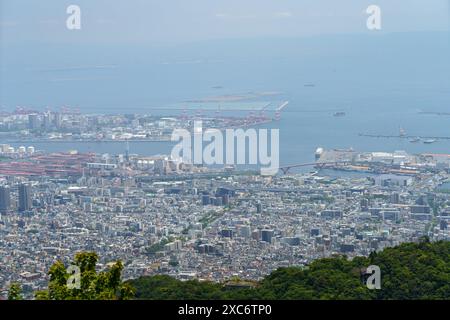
pixel 386 136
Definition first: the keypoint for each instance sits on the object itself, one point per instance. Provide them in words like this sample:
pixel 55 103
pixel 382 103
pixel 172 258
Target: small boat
pixel 429 141
pixel 415 140
pixel 339 114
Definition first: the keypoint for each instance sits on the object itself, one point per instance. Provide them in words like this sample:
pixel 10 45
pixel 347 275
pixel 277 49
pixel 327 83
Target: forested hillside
pixel 409 271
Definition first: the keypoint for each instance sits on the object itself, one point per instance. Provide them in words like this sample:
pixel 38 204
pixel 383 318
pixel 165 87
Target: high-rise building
pixel 25 197
pixel 57 120
pixel 205 200
pixel 314 232
pixel 227 233
pixel 395 198
pixel 244 231
pixel 5 198
pixel 364 203
pixel 266 235
pixel 33 121
pixel 217 201
pixel 47 120
pixel 226 200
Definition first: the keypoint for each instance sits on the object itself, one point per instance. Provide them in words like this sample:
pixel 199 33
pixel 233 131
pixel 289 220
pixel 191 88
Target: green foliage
pixel 409 271
pixel 415 271
pixel 164 287
pixel 104 285
pixel 15 292
pixel 210 217
pixel 156 247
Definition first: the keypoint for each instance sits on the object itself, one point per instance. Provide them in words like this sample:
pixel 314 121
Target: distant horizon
pixel 178 21
pixel 261 38
pixel 166 45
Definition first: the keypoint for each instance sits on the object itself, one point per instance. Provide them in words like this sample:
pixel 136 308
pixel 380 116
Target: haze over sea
pixel 381 82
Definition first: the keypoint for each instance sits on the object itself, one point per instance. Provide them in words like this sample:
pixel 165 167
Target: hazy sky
pixel 173 21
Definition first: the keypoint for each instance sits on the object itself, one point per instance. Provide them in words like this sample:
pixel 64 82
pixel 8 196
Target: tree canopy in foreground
pixel 409 271
pixel 93 285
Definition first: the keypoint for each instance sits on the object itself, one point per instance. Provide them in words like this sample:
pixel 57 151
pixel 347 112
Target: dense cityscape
pixel 162 216
pixel 69 124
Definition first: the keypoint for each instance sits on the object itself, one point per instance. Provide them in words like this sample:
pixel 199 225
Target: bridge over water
pixel 318 164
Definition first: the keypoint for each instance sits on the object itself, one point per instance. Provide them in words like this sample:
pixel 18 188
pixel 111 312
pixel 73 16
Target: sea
pixel 383 83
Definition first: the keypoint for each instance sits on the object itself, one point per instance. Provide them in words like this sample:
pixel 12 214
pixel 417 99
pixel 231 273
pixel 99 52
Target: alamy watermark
pixel 374 280
pixel 374 20
pixel 74 280
pixel 73 22
pixel 237 147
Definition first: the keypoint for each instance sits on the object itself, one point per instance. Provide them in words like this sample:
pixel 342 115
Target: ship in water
pixel 415 140
pixel 339 114
pixel 429 141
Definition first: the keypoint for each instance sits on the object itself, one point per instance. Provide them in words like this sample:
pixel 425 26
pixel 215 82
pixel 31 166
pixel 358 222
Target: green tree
pixel 104 285
pixel 15 292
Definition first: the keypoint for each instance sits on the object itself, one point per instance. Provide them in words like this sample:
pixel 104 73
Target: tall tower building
pixel 33 121
pixel 47 120
pixel 57 120
pixel 25 201
pixel 5 198
pixel 127 151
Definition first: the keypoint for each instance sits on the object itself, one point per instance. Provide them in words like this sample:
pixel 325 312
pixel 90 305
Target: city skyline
pixel 226 149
